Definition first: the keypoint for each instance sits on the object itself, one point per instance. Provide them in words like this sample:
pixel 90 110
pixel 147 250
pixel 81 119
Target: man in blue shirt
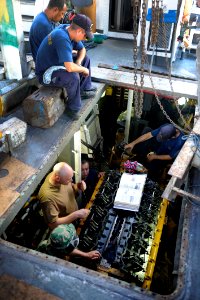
pixel 44 23
pixel 57 65
pixel 165 145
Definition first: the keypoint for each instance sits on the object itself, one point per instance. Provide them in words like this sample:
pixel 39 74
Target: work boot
pixel 73 114
pixel 87 94
pixel 93 88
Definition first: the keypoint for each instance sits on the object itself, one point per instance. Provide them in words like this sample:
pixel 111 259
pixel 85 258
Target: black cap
pixel 85 23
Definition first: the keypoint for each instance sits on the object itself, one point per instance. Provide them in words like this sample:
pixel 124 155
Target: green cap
pixel 64 236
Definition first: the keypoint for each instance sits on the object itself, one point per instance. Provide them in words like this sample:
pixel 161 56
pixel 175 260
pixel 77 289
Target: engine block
pixel 122 237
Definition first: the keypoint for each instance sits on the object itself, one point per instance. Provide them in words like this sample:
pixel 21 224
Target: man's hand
pixel 85 72
pixel 101 174
pixel 81 186
pixel 129 147
pixel 82 213
pixel 151 156
pixel 93 254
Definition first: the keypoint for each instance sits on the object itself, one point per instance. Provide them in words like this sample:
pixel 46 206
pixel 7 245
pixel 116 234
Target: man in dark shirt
pixel 44 23
pixel 164 147
pixel 90 176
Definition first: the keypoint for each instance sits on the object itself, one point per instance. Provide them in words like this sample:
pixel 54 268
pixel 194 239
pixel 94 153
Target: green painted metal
pixel 8 34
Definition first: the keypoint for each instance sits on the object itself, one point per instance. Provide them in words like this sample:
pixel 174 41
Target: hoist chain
pixel 160 104
pixel 143 54
pixel 157 15
pixel 135 31
pixel 155 21
pixel 169 71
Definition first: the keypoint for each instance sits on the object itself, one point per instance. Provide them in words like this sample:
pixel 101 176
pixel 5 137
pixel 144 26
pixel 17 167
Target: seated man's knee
pixel 72 79
pixel 86 61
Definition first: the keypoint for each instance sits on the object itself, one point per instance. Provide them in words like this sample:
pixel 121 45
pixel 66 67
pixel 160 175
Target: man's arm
pixel 80 56
pixel 80 186
pixel 72 67
pixel 76 67
pixel 142 138
pixel 152 156
pixel 78 214
pixel 91 254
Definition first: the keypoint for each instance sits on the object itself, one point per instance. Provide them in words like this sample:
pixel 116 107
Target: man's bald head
pixel 63 172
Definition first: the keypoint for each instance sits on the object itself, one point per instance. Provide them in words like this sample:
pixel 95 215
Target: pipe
pixel 128 115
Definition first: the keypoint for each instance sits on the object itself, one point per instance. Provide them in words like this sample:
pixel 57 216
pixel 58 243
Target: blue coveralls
pixel 54 50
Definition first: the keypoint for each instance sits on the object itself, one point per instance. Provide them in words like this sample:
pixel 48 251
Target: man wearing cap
pixel 165 146
pixel 57 197
pixel 44 23
pixel 63 241
pixel 57 66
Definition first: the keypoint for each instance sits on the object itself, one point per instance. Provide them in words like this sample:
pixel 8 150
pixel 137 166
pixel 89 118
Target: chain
pixel 169 72
pixel 155 21
pixel 143 53
pixel 160 104
pixel 135 31
pixel 156 15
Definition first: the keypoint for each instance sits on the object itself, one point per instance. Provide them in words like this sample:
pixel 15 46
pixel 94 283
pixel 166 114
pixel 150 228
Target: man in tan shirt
pixel 57 197
pixel 59 206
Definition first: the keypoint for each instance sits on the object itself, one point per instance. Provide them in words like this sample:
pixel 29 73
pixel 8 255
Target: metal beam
pixel 181 88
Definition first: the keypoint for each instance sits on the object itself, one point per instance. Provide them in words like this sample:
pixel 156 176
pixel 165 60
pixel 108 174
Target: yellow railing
pixel 155 245
pixel 89 204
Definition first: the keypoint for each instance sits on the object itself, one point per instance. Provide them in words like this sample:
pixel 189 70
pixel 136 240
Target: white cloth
pixel 47 74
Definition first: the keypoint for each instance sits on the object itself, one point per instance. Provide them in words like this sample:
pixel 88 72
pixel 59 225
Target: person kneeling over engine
pixel 158 147
pixel 63 241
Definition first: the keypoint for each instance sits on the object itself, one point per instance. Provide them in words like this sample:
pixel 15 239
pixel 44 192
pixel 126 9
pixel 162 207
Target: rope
pixel 196 140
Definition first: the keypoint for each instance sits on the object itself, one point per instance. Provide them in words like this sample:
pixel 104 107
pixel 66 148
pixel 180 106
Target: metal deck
pixel 41 150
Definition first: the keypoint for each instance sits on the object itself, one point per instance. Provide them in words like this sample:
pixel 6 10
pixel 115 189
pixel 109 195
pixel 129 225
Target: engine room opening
pixel 128 240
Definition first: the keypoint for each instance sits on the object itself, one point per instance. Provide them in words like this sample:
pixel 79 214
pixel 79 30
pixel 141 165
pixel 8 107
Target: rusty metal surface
pixel 18 289
pixel 63 279
pixel 11 95
pixel 43 107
